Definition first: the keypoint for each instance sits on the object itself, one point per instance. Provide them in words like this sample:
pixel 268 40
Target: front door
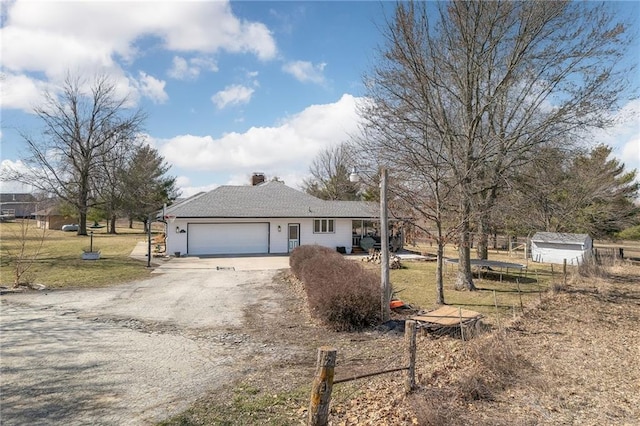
pixel 294 236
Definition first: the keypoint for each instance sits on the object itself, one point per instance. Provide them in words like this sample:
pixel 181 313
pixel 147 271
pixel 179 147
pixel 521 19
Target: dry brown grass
pixel 571 359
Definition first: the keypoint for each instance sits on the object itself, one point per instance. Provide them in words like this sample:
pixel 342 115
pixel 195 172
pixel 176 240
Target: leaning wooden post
pixel 410 354
pixel 564 272
pixel 321 387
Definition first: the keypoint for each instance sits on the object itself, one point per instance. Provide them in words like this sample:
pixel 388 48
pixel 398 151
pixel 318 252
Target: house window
pixel 323 226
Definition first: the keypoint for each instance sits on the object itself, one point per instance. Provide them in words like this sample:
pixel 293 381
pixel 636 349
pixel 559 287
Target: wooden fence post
pixel 410 354
pixel 564 272
pixel 495 303
pixel 321 387
pixel 520 295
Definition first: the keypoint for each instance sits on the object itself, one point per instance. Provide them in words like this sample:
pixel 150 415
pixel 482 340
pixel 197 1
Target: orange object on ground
pixel 396 304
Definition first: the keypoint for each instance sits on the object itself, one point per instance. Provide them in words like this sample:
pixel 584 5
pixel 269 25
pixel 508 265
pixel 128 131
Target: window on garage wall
pixel 323 226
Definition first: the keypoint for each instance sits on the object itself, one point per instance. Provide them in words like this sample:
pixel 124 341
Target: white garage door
pixel 228 238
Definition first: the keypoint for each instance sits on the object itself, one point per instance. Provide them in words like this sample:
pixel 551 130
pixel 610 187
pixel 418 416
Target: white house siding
pixel 278 240
pixel 342 237
pixel 176 242
pixel 556 253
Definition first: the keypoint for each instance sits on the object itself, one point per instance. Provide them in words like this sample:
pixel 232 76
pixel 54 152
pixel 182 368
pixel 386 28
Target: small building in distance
pixel 17 205
pixel 556 247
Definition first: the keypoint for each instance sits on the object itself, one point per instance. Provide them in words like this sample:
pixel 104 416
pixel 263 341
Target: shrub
pixel 632 233
pixel 497 355
pixel 340 292
pixel 301 254
pixel 437 407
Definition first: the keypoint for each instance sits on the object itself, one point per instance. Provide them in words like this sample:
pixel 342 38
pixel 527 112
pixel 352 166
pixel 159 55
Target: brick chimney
pixel 257 178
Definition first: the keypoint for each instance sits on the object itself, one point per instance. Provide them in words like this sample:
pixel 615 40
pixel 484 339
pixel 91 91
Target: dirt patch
pixel 570 359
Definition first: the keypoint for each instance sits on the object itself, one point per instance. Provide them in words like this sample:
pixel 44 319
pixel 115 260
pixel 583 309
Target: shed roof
pixel 270 199
pixel 559 237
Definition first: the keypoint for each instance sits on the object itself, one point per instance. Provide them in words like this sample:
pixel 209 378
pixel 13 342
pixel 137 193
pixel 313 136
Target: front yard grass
pixel 59 263
pixel 415 284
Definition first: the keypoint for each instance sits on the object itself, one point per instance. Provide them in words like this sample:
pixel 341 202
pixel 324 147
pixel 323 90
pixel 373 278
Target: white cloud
pixel 182 181
pixel 9 186
pixel 183 69
pixel 284 150
pixel 188 191
pixel 21 92
pixel 630 153
pixel 152 88
pixel 232 95
pixel 204 63
pixel 623 136
pixel 305 71
pixel 54 37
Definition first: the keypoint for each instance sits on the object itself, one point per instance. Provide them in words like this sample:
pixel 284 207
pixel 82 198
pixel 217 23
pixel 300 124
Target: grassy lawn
pixel 415 284
pixel 59 263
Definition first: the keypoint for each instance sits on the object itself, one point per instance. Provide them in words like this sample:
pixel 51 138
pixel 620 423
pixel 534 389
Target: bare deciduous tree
pixel 330 175
pixel 490 83
pixel 82 128
pixel 416 191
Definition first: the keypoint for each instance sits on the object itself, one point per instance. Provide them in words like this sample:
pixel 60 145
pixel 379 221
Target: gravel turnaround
pixel 133 354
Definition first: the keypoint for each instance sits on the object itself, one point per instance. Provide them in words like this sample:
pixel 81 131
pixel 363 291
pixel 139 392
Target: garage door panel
pixel 228 238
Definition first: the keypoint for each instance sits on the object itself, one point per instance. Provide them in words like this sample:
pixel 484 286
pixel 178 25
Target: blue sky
pixel 245 86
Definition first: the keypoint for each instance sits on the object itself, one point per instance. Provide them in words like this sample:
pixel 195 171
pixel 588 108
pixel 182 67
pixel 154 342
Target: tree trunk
pixel 82 224
pixel 83 206
pixel 482 249
pixel 464 280
pixel 112 229
pixel 130 222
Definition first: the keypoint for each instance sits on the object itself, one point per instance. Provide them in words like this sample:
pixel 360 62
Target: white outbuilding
pixel 555 247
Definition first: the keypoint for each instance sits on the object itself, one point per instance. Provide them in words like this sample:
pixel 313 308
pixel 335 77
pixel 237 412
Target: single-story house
pixel 555 247
pixel 17 205
pixel 264 218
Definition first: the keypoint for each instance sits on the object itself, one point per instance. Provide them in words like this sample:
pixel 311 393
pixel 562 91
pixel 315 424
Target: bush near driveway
pixel 301 254
pixel 340 293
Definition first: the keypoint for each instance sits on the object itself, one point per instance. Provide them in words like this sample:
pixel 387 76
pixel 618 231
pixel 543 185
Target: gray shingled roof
pixel 271 199
pixel 557 237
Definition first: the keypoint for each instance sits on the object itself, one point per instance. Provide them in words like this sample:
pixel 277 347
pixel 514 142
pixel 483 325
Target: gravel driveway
pixel 131 354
